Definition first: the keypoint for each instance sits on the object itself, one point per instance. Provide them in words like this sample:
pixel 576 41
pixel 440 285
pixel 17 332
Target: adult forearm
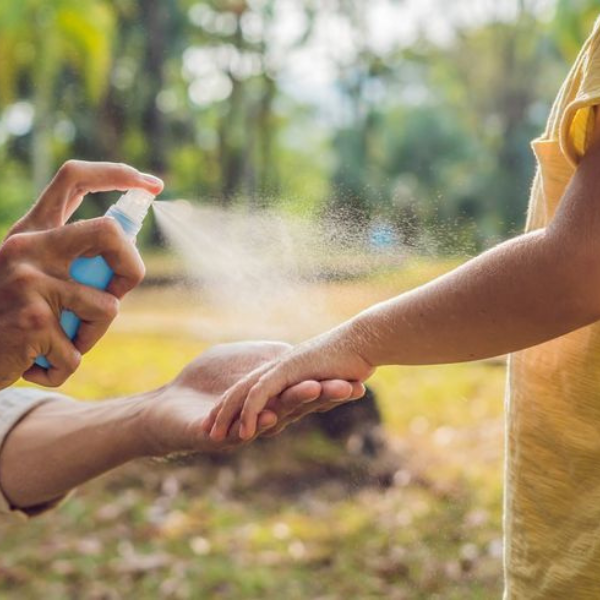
pixel 62 444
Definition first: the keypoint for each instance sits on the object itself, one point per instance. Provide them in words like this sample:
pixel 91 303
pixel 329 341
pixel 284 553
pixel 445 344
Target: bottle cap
pixel 135 204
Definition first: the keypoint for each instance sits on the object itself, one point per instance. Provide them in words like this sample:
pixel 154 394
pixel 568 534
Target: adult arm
pixel 61 443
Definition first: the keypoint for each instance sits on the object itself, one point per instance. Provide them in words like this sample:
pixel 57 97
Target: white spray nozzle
pixel 135 204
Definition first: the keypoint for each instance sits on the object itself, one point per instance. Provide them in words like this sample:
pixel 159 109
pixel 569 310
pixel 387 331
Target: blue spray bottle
pixel 129 211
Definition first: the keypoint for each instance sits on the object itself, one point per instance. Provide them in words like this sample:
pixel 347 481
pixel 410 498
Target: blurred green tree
pixel 38 41
pixel 573 22
pixel 233 54
pixel 482 98
pixel 200 92
pixel 493 77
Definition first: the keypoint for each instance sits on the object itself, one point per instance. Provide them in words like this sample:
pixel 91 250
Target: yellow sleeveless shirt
pixel 552 476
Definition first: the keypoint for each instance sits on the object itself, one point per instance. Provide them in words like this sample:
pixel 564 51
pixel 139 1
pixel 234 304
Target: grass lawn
pixel 297 517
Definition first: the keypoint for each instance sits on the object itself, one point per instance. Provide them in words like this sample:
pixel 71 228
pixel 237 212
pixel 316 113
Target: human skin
pixel 35 284
pixel 62 444
pixel 524 292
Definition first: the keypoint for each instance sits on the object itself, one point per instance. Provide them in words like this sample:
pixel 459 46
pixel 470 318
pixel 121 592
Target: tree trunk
pixel 269 181
pixel 41 135
pixel 230 152
pixel 155 14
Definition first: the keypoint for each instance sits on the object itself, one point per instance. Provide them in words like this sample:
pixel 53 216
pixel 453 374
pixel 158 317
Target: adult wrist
pixel 139 435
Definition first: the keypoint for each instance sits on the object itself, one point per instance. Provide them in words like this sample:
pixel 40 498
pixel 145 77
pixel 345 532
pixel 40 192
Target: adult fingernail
pixel 151 179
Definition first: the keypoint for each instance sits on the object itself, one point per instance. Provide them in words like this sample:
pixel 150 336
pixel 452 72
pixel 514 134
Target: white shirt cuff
pixel 16 403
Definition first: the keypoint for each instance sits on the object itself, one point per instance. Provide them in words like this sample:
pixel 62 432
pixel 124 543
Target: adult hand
pixel 35 284
pixel 332 355
pixel 62 444
pixel 174 416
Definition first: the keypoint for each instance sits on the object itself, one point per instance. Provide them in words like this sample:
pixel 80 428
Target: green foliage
pixel 16 191
pixel 423 133
pixel 573 21
pixel 38 39
pixel 39 42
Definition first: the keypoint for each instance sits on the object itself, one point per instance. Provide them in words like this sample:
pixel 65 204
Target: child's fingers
pixel 333 393
pixel 301 396
pixel 231 405
pixel 307 391
pixel 297 395
pixel 265 388
pixel 356 392
pixel 229 409
pixel 288 405
pixel 266 420
pixel 210 419
pixel 209 424
pixel 335 390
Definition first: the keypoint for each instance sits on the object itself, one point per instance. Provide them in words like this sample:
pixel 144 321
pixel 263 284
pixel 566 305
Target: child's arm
pixel 524 292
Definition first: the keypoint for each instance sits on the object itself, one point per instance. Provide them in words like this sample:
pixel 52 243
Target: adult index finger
pixel 77 178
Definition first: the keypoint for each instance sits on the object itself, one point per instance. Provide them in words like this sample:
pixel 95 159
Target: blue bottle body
pixel 94 272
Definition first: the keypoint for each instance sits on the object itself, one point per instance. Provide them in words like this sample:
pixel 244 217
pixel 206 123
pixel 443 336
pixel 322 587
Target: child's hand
pixel 330 356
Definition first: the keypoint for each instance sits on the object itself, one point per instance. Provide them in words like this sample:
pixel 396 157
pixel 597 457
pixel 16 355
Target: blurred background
pixel 408 122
